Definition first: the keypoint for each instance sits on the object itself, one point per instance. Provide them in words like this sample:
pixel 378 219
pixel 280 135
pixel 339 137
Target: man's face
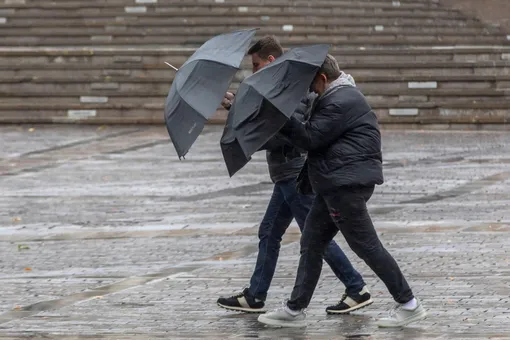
pixel 257 62
pixel 319 84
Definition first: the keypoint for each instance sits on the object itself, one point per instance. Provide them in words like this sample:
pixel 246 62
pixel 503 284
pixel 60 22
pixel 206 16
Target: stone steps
pixel 142 81
pixel 141 74
pixel 378 30
pixel 286 39
pixel 143 90
pixel 225 15
pixel 238 22
pixel 98 62
pixel 362 72
pixel 386 99
pixel 139 100
pixel 156 63
pixel 489 112
pixel 155 55
pixel 231 3
pixel 225 9
pixel 157 73
pixel 148 62
pixel 190 23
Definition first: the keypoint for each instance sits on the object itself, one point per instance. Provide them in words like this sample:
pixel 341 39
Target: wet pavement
pixel 104 233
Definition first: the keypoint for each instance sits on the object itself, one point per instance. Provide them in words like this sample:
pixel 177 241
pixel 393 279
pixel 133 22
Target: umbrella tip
pixel 172 66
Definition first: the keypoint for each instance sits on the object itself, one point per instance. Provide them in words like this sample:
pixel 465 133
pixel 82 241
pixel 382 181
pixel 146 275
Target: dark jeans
pixel 344 210
pixel 286 204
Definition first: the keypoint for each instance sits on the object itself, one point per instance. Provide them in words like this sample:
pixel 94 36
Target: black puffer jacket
pixel 284 160
pixel 343 141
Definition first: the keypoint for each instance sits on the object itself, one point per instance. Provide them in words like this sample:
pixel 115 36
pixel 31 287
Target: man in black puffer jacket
pixel 285 162
pixel 344 164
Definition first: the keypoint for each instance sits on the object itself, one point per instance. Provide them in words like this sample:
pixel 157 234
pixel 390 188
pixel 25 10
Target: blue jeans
pixel 285 205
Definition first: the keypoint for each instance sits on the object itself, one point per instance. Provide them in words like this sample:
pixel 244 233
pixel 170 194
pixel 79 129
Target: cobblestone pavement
pixel 104 233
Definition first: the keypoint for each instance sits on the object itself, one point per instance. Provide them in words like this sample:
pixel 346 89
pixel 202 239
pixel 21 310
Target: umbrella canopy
pixel 200 84
pixel 266 100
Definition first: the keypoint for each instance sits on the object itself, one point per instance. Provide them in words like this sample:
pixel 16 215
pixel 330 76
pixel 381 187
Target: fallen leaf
pixel 23 247
pixel 16 219
pixel 31 130
pixel 28 269
pixel 17 308
pixel 452 278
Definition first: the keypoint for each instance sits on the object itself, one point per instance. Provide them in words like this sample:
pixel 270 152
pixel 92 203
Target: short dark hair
pixel 330 68
pixel 266 46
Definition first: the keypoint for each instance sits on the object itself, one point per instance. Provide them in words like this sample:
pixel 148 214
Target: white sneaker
pixel 283 318
pixel 400 316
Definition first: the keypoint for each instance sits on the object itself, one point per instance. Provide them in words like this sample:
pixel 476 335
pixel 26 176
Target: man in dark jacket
pixel 285 162
pixel 344 164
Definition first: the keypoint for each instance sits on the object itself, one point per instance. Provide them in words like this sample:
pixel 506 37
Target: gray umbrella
pixel 200 84
pixel 266 100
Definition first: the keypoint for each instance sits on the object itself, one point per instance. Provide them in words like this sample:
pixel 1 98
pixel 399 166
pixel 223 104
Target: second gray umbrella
pixel 266 100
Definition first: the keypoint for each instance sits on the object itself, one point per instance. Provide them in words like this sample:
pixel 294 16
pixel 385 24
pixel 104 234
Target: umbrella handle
pixel 172 66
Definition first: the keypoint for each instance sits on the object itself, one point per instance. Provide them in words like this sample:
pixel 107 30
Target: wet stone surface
pixel 104 233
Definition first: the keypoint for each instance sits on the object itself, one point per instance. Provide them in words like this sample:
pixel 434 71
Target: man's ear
pixel 323 77
pixel 271 58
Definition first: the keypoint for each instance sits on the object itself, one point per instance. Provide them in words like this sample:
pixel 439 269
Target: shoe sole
pixel 347 311
pixel 422 315
pixel 241 309
pixel 280 323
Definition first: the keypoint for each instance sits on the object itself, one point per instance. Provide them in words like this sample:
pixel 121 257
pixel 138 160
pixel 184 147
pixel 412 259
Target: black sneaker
pixel 351 303
pixel 242 302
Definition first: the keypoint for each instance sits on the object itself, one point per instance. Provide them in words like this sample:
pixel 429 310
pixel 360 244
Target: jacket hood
pixel 344 80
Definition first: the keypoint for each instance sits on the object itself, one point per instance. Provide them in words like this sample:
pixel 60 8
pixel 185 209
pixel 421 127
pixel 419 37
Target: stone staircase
pixel 103 61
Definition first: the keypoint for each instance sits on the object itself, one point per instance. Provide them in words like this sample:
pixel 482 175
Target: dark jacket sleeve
pixel 324 127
